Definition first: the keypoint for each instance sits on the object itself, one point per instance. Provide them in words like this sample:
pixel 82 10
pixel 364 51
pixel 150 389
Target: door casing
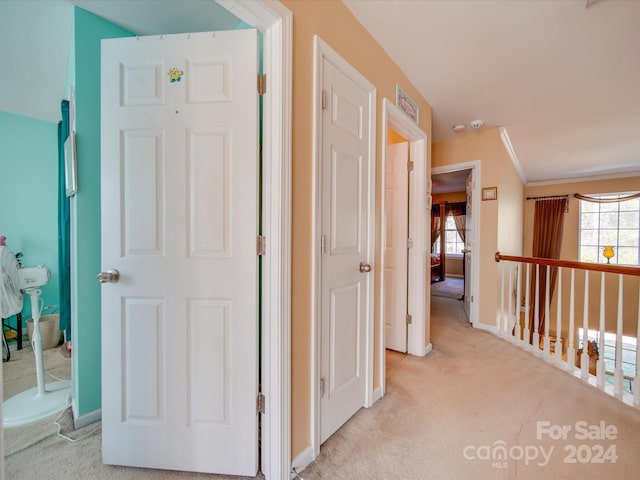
pixel 275 22
pixel 419 197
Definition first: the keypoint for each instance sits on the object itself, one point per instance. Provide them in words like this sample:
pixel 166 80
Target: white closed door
pixel 179 223
pixel 346 270
pixel 396 267
pixel 468 246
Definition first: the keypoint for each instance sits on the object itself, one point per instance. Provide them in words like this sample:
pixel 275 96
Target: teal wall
pixel 89 30
pixel 29 186
pixel 84 71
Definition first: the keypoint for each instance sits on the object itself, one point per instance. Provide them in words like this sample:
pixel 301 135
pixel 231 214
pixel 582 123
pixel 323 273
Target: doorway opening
pixel 402 271
pixel 455 217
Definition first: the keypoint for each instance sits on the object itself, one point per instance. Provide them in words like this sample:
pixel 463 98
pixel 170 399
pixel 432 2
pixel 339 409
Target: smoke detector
pixel 458 127
pixel 475 124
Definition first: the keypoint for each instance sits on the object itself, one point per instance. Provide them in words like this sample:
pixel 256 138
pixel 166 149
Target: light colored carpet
pixel 450 287
pixel 472 391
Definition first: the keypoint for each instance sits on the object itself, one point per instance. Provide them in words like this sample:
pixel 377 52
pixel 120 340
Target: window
pixel 628 361
pixel 453 242
pixel 616 224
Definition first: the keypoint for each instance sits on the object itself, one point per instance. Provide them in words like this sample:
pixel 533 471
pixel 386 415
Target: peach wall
pixel 449 197
pixel 500 220
pixel 394 137
pixel 569 251
pixel 335 24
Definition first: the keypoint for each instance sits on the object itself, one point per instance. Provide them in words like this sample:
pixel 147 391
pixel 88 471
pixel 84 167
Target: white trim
pixel 512 153
pixel 393 117
pixel 302 461
pixel 274 20
pixel 80 421
pixel 475 166
pixel 584 179
pixel 428 348
pixel 488 328
pixel 323 50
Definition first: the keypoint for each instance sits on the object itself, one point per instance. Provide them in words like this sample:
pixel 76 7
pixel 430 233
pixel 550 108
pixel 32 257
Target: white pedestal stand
pixel 43 400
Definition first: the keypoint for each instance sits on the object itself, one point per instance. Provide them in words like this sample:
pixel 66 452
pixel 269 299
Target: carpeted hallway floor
pixel 446 416
pixel 450 287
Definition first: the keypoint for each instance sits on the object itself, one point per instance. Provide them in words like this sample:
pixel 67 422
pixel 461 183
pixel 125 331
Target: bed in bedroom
pixel 437 267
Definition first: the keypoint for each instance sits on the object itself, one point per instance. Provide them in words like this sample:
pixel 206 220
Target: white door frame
pixel 274 21
pixel 323 50
pixel 394 118
pixel 475 226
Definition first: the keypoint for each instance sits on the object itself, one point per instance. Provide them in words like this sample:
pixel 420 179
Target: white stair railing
pixel 514 321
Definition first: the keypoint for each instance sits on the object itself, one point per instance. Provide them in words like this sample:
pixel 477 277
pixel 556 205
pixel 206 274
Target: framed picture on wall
pixel 70 174
pixel 490 193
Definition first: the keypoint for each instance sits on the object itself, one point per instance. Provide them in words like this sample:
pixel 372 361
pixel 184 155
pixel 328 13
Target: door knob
pixel 365 267
pixel 110 276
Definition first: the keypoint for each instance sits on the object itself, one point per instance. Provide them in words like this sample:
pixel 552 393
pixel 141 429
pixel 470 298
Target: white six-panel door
pixel 396 267
pixel 346 276
pixel 469 241
pixel 179 222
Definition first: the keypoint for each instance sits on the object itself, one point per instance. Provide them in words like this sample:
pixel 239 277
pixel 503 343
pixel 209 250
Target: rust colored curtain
pixel 456 208
pixel 435 230
pixel 435 225
pixel 548 225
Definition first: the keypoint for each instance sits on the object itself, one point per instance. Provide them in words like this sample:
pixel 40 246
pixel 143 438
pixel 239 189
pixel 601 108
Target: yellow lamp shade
pixel 608 253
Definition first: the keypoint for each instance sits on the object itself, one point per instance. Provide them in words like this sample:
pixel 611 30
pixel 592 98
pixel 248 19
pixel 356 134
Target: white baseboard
pixel 302 461
pixel 80 421
pixel 428 348
pixel 484 326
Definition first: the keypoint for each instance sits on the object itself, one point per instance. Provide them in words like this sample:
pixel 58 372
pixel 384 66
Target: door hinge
pixel 409 242
pixel 261 245
pixel 410 165
pixel 324 99
pixel 262 84
pixel 260 403
pixel 323 245
pixel 322 386
pixel 409 319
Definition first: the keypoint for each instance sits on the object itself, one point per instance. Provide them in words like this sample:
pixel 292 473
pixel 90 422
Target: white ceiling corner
pixel 560 78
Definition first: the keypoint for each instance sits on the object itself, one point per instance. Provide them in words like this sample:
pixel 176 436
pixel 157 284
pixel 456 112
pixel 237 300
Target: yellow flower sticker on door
pixel 175 75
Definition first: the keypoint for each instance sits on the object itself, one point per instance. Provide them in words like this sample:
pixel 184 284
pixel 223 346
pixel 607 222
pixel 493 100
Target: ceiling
pixel 561 78
pixel 449 182
pixel 39 58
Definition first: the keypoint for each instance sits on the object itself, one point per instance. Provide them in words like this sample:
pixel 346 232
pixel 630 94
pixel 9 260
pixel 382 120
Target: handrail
pixel 597 267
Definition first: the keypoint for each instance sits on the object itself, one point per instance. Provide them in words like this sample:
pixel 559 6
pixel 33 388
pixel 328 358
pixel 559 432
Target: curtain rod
pixel 549 196
pixel 587 198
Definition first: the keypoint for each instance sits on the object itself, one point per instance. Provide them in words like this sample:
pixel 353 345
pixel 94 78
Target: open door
pixel 179 225
pixel 468 251
pixel 396 267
